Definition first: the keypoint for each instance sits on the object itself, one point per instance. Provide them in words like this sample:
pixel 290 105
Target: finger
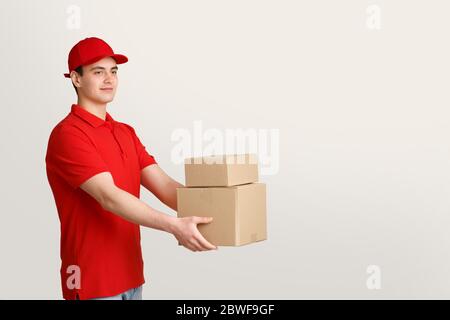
pixel 203 219
pixel 191 247
pixel 198 246
pixel 188 245
pixel 204 243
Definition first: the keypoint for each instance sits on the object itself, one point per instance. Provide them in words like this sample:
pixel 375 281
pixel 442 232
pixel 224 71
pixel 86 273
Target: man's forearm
pixel 170 198
pixel 134 210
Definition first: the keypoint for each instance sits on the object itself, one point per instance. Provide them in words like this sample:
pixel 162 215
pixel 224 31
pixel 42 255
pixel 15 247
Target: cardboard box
pixel 239 212
pixel 221 171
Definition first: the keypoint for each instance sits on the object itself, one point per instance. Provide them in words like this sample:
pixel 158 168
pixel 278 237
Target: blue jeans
pixel 132 294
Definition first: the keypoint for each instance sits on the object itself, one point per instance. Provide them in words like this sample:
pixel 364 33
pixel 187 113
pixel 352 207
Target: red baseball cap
pixel 90 50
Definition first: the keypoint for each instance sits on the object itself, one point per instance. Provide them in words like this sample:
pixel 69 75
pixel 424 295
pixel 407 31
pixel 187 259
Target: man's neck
pixel 96 109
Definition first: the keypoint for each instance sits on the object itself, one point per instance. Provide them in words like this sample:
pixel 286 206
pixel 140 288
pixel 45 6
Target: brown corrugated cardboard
pixel 239 212
pixel 221 171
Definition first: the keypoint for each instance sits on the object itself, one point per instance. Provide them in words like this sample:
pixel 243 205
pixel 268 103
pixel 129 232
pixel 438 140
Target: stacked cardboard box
pixel 225 187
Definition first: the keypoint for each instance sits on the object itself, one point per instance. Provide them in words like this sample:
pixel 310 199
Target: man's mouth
pixel 106 89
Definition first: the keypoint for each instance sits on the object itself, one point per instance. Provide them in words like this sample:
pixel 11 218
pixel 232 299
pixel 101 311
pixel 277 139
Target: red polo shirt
pixel 99 246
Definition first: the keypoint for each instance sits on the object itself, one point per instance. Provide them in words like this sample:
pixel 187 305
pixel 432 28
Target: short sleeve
pixel 145 159
pixel 73 157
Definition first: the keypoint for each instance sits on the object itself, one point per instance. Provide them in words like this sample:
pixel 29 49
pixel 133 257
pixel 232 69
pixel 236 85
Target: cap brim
pixel 120 58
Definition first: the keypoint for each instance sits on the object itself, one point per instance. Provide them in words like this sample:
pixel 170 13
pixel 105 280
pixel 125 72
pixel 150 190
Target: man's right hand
pixel 186 232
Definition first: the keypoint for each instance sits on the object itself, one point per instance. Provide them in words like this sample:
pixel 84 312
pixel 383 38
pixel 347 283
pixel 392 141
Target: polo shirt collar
pixel 90 118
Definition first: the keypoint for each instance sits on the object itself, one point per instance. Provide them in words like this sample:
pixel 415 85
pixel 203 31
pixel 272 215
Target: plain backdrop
pixel 363 118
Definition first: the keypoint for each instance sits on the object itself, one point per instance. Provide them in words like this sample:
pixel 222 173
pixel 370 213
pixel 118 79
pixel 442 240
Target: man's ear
pixel 75 78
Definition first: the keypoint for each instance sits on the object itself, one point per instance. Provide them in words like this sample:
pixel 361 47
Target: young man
pixel 95 166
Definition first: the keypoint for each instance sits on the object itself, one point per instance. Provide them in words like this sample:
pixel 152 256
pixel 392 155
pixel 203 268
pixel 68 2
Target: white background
pixel 363 117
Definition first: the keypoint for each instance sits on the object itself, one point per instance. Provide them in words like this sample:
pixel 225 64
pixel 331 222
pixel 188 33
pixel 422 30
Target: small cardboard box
pixel 221 170
pixel 239 212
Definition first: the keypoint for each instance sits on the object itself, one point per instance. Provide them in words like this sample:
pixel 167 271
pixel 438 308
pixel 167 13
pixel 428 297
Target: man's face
pixel 99 81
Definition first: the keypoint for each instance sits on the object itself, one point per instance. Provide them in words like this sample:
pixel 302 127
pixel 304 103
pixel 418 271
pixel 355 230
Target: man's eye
pixel 114 72
pixel 97 72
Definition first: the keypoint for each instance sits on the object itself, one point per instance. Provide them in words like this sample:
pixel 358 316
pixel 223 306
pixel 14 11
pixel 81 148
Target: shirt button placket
pixel 110 127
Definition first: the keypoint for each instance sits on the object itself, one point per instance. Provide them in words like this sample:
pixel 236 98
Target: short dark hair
pixel 78 70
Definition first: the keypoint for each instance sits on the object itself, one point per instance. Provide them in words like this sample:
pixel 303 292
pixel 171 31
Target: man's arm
pixel 155 180
pixel 113 199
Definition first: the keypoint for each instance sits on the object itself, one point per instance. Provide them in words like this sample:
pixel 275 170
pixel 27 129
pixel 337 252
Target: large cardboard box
pixel 221 170
pixel 239 212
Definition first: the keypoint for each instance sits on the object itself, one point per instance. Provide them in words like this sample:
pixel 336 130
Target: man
pixel 95 166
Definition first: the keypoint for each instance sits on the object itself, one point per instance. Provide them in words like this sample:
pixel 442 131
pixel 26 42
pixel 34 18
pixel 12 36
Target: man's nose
pixel 108 78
